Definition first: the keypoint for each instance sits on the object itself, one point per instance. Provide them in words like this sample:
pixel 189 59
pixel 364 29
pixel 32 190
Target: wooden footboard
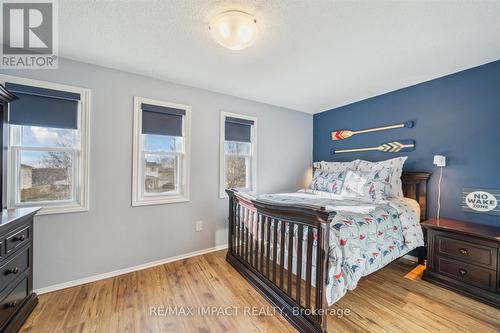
pixel 264 244
pixel 274 247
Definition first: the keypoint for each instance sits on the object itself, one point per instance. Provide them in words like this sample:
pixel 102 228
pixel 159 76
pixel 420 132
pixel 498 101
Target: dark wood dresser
pixel 17 299
pixel 464 257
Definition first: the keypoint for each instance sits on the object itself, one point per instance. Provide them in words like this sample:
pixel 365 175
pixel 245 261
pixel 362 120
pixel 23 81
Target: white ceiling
pixel 311 55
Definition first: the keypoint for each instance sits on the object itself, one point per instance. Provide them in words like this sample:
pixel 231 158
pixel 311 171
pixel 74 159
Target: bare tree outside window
pixel 46 161
pixel 237 164
pixel 46 175
pixel 236 172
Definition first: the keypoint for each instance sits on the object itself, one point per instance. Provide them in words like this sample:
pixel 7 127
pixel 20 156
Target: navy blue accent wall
pixel 457 116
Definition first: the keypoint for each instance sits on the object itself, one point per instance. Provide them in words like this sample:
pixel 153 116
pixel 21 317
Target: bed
pixel 303 251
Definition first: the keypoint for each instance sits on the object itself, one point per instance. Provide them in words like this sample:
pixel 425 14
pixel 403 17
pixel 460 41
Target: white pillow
pixel 395 188
pixel 338 166
pixel 371 185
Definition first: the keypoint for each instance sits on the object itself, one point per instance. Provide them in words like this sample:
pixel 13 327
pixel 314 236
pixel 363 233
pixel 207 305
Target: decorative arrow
pixel 344 134
pixel 389 147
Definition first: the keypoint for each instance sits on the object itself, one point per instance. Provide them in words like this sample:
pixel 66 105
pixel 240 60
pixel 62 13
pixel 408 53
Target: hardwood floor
pixel 391 300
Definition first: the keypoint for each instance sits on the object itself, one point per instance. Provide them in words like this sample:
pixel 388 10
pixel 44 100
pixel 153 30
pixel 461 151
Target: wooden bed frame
pixel 254 225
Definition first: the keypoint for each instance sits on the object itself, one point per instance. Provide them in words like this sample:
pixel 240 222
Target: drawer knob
pixel 462 271
pixel 20 238
pixel 463 251
pixel 14 270
pixel 12 304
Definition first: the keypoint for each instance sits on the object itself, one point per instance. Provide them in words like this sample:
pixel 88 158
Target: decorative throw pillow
pixel 395 188
pixel 366 185
pixel 328 181
pixel 338 166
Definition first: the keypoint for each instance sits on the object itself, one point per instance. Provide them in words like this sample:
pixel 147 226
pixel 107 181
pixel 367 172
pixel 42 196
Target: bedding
pixel 395 165
pixel 328 181
pixel 364 235
pixel 338 166
pixel 371 186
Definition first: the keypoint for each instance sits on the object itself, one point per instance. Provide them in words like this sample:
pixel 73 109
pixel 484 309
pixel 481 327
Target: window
pixel 48 142
pixel 238 162
pixel 161 152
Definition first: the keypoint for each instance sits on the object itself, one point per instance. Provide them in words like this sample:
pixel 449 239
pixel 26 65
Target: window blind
pixel 161 120
pixel 237 129
pixel 43 107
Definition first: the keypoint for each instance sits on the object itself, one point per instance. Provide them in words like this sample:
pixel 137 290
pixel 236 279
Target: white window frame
pixel 138 196
pixel 81 155
pixel 222 156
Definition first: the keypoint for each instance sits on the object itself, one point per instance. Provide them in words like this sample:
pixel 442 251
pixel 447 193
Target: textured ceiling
pixel 311 55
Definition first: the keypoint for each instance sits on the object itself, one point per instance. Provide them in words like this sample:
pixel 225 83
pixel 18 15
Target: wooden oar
pixel 389 147
pixel 344 134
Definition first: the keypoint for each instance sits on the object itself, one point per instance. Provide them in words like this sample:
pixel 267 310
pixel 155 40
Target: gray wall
pixel 113 235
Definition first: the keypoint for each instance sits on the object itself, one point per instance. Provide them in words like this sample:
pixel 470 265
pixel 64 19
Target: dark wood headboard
pixel 415 187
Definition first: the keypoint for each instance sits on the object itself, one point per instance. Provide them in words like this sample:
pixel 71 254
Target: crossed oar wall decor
pixel 389 147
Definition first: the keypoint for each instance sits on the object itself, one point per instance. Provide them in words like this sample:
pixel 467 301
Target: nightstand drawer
pixel 14 299
pixel 463 250
pixel 473 275
pixel 16 266
pixel 17 239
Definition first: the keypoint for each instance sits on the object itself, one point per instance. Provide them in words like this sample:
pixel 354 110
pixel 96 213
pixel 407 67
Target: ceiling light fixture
pixel 234 29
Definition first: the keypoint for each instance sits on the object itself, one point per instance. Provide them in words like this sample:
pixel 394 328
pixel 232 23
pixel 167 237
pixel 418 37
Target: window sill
pixel 58 209
pixel 160 201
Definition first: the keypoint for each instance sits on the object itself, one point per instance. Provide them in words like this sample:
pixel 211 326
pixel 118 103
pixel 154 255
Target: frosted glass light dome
pixel 234 30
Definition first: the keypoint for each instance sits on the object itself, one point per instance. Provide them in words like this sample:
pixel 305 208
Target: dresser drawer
pixel 14 267
pixel 10 302
pixel 471 274
pixel 17 239
pixel 475 253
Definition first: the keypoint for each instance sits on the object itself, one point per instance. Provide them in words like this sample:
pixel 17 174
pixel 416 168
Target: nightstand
pixel 464 257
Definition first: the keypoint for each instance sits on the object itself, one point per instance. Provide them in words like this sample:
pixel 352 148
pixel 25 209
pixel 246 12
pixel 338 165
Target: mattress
pixel 364 236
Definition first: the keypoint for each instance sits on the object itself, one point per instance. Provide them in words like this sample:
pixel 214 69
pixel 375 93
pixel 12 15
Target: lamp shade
pixel 439 160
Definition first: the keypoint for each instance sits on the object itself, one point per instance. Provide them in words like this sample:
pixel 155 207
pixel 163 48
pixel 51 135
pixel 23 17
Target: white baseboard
pixel 98 277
